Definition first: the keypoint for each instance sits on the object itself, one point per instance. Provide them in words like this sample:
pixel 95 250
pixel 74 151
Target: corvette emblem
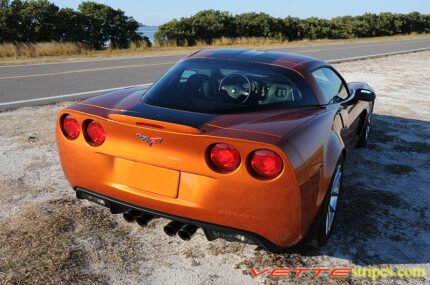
pixel 149 141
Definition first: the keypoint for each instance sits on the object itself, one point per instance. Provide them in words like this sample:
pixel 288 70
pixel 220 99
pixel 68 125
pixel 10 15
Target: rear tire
pixel 323 224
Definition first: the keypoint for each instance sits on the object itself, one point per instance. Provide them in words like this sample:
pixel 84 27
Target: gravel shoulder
pixel 47 236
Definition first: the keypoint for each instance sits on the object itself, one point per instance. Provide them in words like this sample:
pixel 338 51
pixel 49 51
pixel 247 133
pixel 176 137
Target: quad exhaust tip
pixel 143 219
pixel 172 228
pixel 187 232
pixel 184 231
pixel 130 216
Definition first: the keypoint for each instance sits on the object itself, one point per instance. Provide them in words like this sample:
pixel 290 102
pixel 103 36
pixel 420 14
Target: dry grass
pixel 40 250
pixel 30 50
pixel 246 41
pixel 56 49
pixel 138 46
pixel 225 42
pixel 59 249
pixel 8 50
pixel 55 52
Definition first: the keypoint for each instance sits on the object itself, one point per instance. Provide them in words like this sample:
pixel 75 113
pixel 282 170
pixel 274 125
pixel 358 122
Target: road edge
pixel 9 106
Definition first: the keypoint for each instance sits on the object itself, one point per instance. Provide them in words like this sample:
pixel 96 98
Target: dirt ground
pixel 48 237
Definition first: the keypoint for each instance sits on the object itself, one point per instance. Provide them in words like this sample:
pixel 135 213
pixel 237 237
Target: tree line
pixel 92 24
pixel 209 25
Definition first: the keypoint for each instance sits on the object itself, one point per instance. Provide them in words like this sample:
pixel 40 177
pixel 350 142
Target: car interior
pixel 217 88
pixel 235 87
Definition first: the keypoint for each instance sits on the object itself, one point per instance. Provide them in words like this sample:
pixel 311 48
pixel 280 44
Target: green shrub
pixel 210 25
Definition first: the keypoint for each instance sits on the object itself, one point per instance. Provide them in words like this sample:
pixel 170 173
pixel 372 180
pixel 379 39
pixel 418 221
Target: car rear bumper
pixel 271 221
pixel 271 229
pixel 212 231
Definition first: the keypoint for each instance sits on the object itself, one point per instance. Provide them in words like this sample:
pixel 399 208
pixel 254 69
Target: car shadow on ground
pixel 383 216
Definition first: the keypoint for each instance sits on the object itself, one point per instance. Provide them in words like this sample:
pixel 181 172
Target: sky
pixel 157 12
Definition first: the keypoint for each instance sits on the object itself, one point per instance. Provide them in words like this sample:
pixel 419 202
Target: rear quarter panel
pixel 318 145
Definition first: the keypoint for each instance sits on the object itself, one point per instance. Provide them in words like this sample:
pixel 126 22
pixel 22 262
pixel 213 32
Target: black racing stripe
pixel 191 119
pixel 273 57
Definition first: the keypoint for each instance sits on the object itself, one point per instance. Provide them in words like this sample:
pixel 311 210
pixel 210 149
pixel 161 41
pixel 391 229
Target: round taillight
pixel 266 164
pixel 70 127
pixel 95 133
pixel 224 157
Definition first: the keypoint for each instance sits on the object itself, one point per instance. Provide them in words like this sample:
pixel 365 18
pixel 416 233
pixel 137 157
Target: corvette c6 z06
pixel 245 145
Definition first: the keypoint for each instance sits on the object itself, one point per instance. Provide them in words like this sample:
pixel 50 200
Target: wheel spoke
pixel 331 220
pixel 335 190
pixel 333 203
pixel 327 222
pixel 369 121
pixel 336 182
pixel 334 193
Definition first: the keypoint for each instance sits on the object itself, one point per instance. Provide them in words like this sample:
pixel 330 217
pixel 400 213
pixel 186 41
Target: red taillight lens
pixel 95 133
pixel 224 157
pixel 70 127
pixel 266 163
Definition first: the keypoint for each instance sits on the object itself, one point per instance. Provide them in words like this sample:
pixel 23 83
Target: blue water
pixel 148 31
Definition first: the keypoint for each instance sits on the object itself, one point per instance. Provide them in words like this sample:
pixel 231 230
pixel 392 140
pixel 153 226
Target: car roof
pixel 297 62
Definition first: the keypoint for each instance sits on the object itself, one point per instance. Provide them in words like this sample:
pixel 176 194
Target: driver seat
pixel 198 86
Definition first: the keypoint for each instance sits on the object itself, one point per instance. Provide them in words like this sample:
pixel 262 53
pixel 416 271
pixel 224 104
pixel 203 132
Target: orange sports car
pixel 246 145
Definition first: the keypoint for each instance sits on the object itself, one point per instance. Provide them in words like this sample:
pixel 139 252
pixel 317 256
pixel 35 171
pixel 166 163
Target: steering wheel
pixel 237 86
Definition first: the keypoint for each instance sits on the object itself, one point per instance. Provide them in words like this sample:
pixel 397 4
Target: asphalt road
pixel 25 85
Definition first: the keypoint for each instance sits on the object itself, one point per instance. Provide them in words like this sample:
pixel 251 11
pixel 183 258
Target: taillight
pixel 224 157
pixel 95 133
pixel 70 127
pixel 266 164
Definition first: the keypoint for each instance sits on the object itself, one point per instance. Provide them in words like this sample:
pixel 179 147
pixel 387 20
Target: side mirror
pixel 365 95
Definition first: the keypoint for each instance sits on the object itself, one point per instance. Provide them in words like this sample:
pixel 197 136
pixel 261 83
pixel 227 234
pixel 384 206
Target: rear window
pixel 226 86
